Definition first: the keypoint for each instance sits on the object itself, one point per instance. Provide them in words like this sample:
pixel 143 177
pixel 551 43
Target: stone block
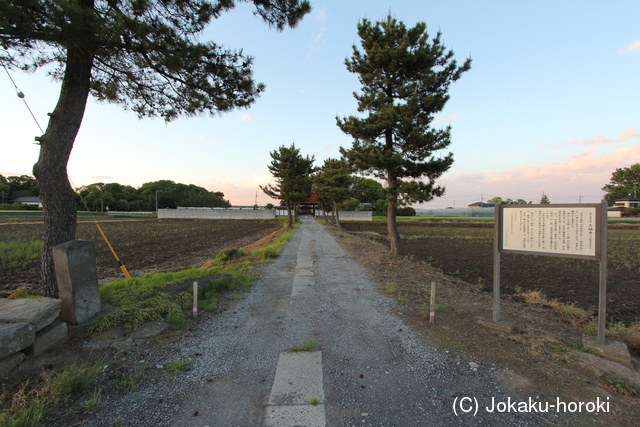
pixel 47 338
pixel 77 276
pixel 612 350
pixel 8 364
pixel 40 312
pixel 502 325
pixel 15 337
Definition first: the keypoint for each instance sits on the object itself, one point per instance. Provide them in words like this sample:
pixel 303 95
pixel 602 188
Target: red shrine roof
pixel 313 199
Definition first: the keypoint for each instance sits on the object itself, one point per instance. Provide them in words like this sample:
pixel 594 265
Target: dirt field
pixel 466 251
pixel 143 246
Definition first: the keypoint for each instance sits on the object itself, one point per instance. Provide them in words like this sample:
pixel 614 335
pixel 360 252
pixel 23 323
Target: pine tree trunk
pixel 289 220
pixel 324 214
pixel 335 209
pixel 50 170
pixel 392 225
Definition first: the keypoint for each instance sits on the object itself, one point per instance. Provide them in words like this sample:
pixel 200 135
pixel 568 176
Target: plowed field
pixel 143 246
pixel 466 251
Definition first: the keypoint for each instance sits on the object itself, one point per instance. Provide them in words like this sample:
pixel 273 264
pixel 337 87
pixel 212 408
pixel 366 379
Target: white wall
pixel 214 214
pixel 355 215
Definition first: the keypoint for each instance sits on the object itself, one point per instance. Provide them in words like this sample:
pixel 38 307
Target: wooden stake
pixel 432 310
pixel 195 300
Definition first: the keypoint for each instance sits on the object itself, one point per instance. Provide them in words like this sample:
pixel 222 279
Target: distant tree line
pixel 117 197
pixel 12 187
pixel 167 194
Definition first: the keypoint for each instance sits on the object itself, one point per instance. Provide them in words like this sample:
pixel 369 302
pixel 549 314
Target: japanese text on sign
pixel 551 230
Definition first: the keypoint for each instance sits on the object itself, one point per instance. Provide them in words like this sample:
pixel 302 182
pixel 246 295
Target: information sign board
pixel 557 230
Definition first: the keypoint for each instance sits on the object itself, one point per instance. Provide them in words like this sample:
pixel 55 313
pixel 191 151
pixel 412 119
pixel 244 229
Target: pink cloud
pixel 630 133
pixel 633 47
pixel 442 119
pixel 580 178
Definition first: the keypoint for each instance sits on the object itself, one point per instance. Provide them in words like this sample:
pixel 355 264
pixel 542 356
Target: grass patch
pixel 314 401
pixel 142 299
pixel 390 288
pixel 179 367
pixel 19 254
pixel 448 343
pixel 229 254
pixel 308 344
pixel 177 320
pixel 622 386
pixel 555 347
pixel 131 382
pixel 27 406
pixel 23 292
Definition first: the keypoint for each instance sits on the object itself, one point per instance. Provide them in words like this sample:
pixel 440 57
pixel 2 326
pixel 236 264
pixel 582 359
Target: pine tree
pixel 141 54
pixel 292 174
pixel 544 200
pixel 332 183
pixel 405 80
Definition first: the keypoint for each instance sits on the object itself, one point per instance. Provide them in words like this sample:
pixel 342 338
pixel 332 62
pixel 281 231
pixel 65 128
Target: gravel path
pixel 376 370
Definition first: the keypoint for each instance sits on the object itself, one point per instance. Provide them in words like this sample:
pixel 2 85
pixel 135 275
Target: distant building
pixel 621 205
pixel 482 205
pixel 28 200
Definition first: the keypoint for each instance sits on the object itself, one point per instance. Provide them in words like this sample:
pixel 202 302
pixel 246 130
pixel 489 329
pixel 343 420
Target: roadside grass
pixel 143 299
pixel 26 406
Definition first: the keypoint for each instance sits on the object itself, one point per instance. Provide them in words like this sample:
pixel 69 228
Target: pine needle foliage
pixel 405 81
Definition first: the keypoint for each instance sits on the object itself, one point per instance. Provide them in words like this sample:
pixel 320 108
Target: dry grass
pixel 566 311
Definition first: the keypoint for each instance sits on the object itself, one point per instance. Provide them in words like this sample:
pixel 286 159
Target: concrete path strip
pixel 297 395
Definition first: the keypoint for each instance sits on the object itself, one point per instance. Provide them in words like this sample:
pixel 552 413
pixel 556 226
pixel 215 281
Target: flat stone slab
pixel 40 312
pixel 149 330
pixel 613 350
pixel 15 337
pixel 503 325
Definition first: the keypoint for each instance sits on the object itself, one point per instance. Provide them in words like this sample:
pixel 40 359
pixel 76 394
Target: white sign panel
pixel 561 231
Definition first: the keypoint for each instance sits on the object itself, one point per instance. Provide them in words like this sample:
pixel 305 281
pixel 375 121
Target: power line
pixel 21 96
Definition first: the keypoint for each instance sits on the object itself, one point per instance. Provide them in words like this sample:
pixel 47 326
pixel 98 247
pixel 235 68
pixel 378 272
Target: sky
pixel 551 104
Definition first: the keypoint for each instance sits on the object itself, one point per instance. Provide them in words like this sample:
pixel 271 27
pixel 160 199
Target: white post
pixel 195 300
pixel 432 311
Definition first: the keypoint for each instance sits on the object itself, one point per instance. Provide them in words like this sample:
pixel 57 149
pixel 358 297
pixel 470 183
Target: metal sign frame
pixel 571 231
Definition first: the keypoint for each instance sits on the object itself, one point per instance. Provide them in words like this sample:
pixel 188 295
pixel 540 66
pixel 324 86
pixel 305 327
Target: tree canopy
pixel 141 54
pixel 405 79
pixel 625 182
pixel 332 183
pixel 169 195
pixel 292 174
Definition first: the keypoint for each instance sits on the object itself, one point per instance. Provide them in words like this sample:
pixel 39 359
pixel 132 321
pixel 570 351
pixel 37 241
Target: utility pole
pixel 156 202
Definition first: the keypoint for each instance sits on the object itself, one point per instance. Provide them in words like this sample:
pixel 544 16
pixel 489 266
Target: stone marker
pixel 77 276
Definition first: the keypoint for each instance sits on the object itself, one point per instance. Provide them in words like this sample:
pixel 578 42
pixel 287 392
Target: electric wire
pixel 21 96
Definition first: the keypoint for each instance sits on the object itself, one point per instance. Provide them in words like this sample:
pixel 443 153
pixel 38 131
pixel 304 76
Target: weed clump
pixel 308 344
pixel 230 254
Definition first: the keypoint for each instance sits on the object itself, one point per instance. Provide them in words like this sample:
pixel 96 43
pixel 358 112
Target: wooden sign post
pixel 570 231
